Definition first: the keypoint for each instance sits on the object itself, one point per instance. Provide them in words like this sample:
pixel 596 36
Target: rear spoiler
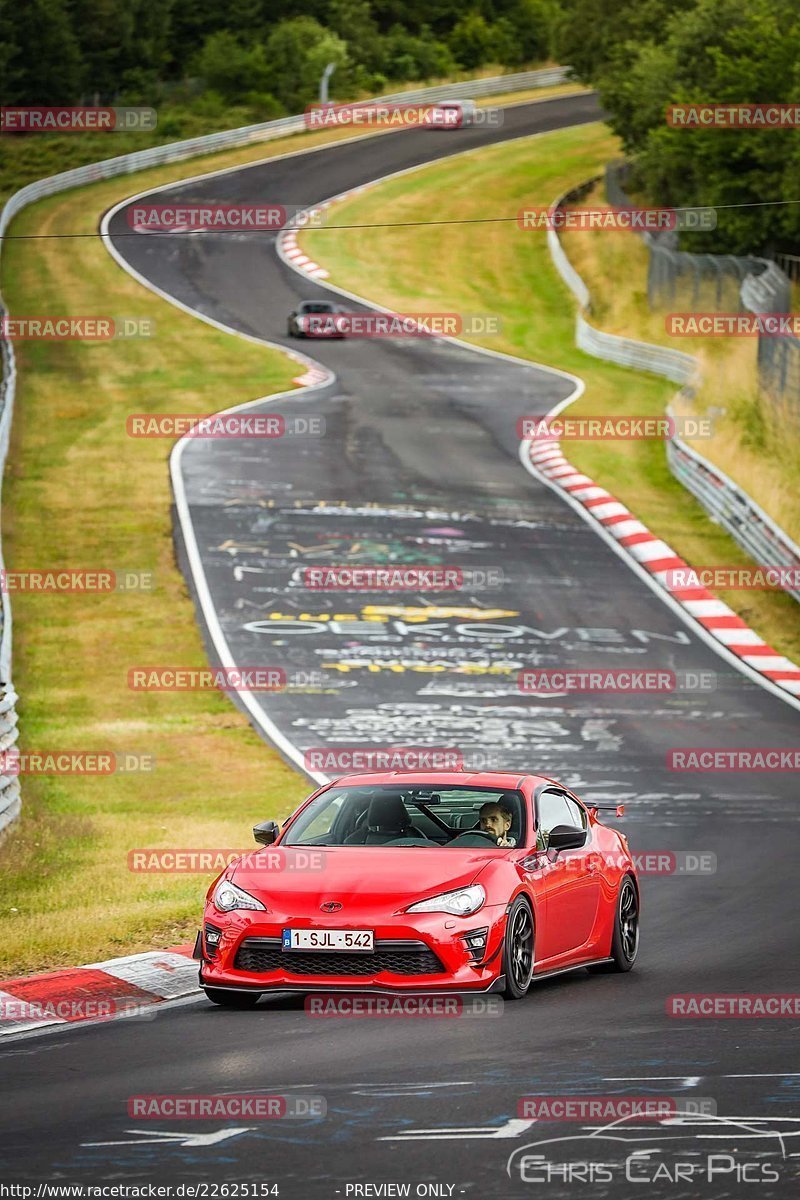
pixel 617 809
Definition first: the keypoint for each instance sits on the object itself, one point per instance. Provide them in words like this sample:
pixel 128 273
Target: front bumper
pixel 432 955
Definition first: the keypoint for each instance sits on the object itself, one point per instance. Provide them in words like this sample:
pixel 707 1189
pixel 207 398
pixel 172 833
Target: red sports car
pixel 434 882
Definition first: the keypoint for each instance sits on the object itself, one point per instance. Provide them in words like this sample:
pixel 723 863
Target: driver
pixel 495 819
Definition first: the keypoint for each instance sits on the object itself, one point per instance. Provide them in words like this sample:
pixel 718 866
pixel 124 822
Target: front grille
pixel 261 955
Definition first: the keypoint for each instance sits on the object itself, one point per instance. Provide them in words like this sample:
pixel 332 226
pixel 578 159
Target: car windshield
pixel 411 815
pixel 313 306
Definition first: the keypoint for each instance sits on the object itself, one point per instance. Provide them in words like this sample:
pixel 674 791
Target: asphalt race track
pixel 419 462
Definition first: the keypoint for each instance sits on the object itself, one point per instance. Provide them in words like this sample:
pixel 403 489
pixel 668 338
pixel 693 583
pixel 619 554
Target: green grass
pixel 499 268
pixel 79 492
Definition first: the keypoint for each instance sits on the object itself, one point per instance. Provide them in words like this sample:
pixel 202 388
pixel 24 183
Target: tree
pixel 352 20
pixel 298 50
pixel 524 32
pixel 44 63
pixel 410 56
pixel 712 52
pixel 231 69
pixel 472 41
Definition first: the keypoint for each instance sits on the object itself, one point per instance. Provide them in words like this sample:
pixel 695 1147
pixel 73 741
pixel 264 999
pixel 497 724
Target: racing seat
pixel 387 819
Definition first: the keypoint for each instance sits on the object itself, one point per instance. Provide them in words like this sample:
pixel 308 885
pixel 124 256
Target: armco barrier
pixel 125 164
pixel 678 279
pixel 723 500
pixel 734 510
pixel 611 347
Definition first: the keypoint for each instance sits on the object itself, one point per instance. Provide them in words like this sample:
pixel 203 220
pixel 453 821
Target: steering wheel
pixel 475 833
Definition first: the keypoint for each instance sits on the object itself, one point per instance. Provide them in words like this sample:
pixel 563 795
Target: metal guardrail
pixel 627 352
pixel 612 347
pixel 231 139
pixel 726 282
pixel 125 164
pixel 682 277
pixel 789 264
pixel 734 510
pixel 724 501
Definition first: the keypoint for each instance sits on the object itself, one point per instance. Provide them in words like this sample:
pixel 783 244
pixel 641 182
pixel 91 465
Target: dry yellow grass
pixel 751 440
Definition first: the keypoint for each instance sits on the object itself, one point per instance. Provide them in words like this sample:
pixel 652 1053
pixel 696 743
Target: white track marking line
pixel 513 1128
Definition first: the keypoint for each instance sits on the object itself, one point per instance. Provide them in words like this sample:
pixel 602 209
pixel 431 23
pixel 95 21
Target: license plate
pixel 328 939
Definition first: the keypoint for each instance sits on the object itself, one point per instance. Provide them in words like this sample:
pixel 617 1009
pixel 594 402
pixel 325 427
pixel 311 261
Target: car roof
pixel 502 780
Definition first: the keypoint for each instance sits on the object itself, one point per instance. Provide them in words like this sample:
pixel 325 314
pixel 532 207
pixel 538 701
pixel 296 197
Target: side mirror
pixel 566 837
pixel 266 833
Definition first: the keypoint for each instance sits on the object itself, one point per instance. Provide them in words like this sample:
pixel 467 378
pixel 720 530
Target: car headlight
pixel 227 897
pixel 463 902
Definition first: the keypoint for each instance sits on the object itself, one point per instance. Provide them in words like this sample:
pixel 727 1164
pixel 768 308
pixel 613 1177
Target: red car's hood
pixel 389 876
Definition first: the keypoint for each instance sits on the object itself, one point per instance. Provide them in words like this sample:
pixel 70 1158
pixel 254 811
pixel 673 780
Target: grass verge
pixel 497 267
pixel 752 440
pixel 78 492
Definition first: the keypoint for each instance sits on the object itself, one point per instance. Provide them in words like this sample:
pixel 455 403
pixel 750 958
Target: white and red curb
pixel 287 240
pixel 288 244
pixel 659 560
pixel 120 987
pixel 313 377
pixel 298 259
